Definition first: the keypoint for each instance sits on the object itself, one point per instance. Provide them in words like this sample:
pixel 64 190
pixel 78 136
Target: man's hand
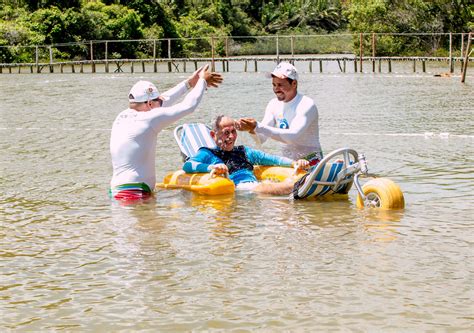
pixel 212 79
pixel 247 125
pixel 220 169
pixel 300 164
pixel 193 79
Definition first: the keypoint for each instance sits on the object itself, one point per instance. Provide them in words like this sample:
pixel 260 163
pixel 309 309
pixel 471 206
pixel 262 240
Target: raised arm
pixel 174 94
pixel 165 116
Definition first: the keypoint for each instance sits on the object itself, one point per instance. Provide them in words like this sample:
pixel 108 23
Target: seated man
pixel 238 161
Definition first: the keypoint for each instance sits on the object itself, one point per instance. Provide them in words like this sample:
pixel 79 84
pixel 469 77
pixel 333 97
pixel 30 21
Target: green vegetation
pixel 191 24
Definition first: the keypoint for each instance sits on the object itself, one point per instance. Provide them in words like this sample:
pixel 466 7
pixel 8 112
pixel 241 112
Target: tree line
pixel 46 22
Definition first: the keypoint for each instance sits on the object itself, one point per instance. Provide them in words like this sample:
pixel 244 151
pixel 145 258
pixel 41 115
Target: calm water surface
pixel 71 259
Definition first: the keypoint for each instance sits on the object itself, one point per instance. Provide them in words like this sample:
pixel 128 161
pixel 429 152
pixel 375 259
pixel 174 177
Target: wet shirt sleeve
pixel 258 157
pixel 172 95
pixel 201 162
pixel 162 117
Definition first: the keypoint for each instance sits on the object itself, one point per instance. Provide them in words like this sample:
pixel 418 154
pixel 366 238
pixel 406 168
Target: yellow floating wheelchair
pixel 334 175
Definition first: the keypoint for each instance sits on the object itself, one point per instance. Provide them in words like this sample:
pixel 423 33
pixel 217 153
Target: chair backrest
pixel 191 137
pixel 323 181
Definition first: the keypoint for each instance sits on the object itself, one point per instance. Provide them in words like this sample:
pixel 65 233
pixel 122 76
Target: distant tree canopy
pixel 27 22
pixel 409 16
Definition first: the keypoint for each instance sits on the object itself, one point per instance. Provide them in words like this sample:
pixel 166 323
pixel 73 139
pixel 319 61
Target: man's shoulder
pixel 248 149
pixel 206 150
pixel 306 102
pixel 306 99
pixel 275 101
pixel 125 115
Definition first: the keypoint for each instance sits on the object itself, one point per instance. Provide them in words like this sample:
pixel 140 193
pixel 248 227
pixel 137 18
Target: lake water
pixel 72 259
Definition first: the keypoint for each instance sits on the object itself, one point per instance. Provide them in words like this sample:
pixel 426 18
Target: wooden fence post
pixel 451 68
pixel 462 51
pixel 277 50
pixel 373 52
pixel 106 56
pixel 292 42
pixel 466 58
pixel 51 70
pixel 360 50
pixel 169 55
pixel 37 59
pixel 92 58
pixel 213 66
pixel 227 47
pixel 154 56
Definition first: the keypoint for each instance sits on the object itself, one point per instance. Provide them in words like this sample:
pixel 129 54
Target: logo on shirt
pixel 282 123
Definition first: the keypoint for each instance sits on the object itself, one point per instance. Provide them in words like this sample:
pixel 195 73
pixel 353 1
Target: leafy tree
pixel 157 14
pixel 315 15
pixel 114 22
pixel 152 12
pixel 49 23
pixel 192 26
pixel 41 4
pixel 409 15
pixel 237 21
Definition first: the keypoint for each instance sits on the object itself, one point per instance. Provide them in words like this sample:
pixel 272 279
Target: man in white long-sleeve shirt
pixel 135 130
pixel 291 118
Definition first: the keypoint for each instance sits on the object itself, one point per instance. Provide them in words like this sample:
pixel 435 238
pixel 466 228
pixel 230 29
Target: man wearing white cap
pixel 134 131
pixel 290 118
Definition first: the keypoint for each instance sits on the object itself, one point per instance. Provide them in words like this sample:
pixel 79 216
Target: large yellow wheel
pixel 381 193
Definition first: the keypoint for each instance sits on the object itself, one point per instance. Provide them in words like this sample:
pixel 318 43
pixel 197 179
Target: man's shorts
pixel 130 192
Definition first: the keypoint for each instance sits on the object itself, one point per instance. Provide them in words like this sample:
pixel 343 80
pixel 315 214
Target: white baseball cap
pixel 143 91
pixel 285 70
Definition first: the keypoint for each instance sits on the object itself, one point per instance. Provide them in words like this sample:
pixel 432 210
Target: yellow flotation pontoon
pixel 210 184
pixel 201 183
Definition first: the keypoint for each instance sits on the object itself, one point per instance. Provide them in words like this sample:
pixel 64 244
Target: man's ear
pixel 213 134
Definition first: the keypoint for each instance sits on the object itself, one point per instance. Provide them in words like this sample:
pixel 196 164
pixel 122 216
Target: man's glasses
pixel 159 100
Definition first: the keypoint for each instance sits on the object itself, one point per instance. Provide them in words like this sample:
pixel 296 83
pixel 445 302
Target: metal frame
pixel 350 172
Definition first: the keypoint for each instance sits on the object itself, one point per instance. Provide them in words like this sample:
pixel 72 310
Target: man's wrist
pixel 188 85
